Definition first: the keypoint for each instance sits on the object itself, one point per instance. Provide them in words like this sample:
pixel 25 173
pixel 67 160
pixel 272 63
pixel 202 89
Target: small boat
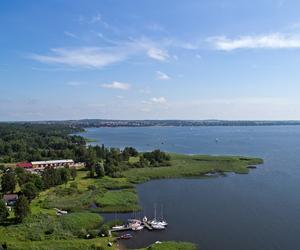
pixel 118 227
pixel 139 228
pixel 158 226
pixel 160 223
pixel 126 236
pixel 133 221
pixel 145 219
pixel 163 223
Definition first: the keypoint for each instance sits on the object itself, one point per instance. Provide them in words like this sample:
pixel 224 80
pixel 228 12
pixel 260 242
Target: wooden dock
pixel 119 229
pixel 147 225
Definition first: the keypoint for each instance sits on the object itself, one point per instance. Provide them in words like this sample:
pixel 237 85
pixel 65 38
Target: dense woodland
pixel 34 142
pixel 28 142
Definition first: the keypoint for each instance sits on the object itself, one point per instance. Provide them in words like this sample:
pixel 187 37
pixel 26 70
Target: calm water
pixel 260 210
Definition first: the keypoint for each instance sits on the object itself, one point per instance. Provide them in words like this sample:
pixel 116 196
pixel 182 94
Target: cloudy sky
pixel 171 59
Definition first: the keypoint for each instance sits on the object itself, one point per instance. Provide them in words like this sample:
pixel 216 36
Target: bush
pixel 104 229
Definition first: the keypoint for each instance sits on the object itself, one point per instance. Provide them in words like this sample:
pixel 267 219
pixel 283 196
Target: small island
pixel 61 206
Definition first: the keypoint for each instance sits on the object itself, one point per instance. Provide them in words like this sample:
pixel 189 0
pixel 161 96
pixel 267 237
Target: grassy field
pixel 193 165
pixel 43 229
pixel 74 244
pixel 172 245
pixel 97 195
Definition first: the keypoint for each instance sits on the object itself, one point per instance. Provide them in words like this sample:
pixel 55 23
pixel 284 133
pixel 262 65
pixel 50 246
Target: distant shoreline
pixel 96 123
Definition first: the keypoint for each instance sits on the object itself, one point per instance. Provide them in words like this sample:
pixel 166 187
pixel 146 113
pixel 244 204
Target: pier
pixel 119 229
pixel 128 228
pixel 147 225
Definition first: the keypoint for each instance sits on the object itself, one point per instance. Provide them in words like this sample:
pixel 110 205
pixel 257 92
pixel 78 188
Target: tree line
pixel 30 186
pixel 34 142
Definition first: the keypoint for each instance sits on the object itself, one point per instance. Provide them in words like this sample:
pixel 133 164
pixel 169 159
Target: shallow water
pixel 260 210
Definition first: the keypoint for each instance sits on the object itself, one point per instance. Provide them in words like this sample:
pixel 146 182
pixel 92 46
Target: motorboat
pixel 158 226
pixel 163 223
pixel 134 221
pixel 139 228
pixel 126 236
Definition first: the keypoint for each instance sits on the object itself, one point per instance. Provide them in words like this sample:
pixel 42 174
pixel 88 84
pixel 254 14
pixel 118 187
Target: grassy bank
pixel 172 245
pixel 193 165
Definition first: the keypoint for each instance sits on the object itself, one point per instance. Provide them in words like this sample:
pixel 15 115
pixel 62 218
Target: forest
pixel 34 142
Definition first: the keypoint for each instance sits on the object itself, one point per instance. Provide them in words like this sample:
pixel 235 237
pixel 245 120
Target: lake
pixel 260 210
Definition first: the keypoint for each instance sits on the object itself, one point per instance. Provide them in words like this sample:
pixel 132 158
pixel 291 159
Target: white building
pixel 54 163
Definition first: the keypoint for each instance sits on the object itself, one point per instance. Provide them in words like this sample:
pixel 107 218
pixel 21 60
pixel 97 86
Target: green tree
pixel 21 175
pixel 91 158
pixel 64 175
pixel 22 208
pixel 8 182
pixel 29 190
pixel 99 169
pixel 3 211
pixel 92 171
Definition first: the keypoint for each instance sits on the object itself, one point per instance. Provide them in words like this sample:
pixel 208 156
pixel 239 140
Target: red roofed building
pixel 24 165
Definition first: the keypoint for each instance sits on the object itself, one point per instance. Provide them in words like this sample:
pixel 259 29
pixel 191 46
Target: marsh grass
pixel 192 165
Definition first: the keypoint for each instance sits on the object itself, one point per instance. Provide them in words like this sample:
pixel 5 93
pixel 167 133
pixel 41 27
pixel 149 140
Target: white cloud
pixel 270 41
pixel 116 85
pixel 99 57
pixel 88 57
pixel 158 54
pixel 162 76
pixel 158 100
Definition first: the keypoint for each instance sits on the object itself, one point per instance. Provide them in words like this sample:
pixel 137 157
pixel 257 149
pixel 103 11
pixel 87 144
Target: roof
pixel 24 165
pixel 9 197
pixel 52 162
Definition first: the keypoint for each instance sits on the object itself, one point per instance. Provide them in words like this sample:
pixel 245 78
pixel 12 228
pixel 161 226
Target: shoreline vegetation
pixel 106 186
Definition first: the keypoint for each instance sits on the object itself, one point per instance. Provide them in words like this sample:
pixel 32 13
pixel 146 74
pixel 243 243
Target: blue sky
pixel 64 59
